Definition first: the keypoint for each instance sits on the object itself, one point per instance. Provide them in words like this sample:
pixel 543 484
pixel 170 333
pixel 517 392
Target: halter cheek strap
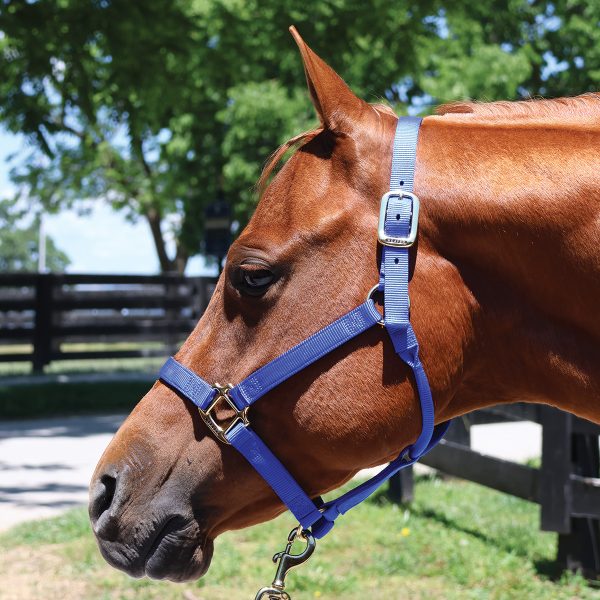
pixel 397 231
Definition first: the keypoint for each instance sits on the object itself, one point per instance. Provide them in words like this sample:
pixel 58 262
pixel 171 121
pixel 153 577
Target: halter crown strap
pixel 396 232
pixel 401 213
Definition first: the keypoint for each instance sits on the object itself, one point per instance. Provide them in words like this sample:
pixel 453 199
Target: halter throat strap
pixel 397 231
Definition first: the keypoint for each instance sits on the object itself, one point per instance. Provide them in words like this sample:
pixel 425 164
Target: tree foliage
pixel 159 107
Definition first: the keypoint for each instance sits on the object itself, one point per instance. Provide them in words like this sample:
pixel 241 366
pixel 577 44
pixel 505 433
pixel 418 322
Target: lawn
pixel 56 399
pixel 117 384
pixel 457 541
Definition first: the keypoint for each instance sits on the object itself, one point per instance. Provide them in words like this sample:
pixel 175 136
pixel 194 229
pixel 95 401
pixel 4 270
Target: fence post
pixel 460 431
pixel 564 453
pixel 172 313
pixel 401 485
pixel 579 550
pixel 203 293
pixel 42 333
pixel 555 472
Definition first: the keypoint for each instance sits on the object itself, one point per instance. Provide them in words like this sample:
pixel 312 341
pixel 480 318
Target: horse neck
pixel 516 210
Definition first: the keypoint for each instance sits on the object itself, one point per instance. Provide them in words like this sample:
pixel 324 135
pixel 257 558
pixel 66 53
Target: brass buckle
pixel 241 416
pixel 395 241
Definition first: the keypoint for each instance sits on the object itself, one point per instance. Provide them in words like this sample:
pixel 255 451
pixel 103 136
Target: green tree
pixel 161 106
pixel 19 243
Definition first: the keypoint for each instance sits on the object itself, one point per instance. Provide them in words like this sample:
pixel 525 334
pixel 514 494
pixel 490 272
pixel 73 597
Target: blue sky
pixel 100 242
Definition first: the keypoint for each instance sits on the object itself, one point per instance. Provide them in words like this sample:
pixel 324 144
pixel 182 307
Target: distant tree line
pixel 160 107
pixel 19 242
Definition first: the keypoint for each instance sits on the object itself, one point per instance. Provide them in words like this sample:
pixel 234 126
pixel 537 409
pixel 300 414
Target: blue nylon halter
pixel 397 232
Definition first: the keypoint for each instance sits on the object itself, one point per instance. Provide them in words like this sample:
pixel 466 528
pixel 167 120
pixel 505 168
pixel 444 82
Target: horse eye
pixel 254 280
pixel 259 279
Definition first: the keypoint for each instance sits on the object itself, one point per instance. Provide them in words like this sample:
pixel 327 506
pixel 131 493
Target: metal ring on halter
pixel 374 289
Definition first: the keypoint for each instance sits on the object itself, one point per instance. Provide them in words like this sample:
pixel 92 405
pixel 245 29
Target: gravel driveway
pixel 46 464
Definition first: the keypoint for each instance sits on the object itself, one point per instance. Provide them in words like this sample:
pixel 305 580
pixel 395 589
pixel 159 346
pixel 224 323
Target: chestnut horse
pixel 505 303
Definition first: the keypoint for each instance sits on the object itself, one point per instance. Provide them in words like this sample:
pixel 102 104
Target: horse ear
pixel 337 106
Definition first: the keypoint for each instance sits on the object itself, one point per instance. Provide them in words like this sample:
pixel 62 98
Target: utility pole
pixel 217 230
pixel 42 245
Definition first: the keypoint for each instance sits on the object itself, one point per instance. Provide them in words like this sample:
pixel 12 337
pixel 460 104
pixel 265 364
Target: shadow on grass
pixel 545 568
pixel 548 569
pixel 54 399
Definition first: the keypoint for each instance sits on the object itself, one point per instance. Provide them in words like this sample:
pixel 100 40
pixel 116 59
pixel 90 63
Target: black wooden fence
pixel 566 486
pixel 41 313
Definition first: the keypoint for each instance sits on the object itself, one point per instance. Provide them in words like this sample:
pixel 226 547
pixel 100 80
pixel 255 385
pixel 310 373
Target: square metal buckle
pixel 398 242
pixel 241 416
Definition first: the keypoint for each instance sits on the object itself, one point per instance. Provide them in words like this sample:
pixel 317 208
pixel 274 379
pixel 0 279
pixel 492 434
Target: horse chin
pixel 165 561
pixel 174 553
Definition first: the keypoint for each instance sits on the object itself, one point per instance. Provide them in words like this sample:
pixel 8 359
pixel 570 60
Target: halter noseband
pixel 397 231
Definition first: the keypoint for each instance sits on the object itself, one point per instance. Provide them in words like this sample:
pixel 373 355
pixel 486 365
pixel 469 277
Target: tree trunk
pixel 154 220
pixel 167 265
pixel 181 259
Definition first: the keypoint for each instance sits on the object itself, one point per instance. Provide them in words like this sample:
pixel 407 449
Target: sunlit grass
pixel 457 541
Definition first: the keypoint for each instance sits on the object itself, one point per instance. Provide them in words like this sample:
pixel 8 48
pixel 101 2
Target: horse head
pixel 165 487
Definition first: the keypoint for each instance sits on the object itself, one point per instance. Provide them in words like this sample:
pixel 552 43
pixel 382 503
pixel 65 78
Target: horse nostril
pixel 102 496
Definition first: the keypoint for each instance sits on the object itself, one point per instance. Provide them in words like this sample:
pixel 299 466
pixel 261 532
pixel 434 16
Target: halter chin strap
pixel 397 231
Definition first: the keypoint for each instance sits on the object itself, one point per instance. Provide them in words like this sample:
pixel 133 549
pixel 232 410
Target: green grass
pixel 44 399
pixel 57 399
pixel 457 541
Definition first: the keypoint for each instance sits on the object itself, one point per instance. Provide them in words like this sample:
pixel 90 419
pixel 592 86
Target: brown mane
pixel 585 107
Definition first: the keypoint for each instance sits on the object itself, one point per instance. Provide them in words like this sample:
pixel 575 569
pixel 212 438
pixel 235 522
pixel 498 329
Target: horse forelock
pixel 297 142
pixel 292 144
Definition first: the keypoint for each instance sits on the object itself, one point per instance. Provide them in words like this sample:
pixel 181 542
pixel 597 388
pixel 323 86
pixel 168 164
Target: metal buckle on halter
pixel 241 416
pixel 403 241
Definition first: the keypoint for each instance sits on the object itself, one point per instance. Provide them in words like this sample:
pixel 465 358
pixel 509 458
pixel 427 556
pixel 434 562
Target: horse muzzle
pixel 160 539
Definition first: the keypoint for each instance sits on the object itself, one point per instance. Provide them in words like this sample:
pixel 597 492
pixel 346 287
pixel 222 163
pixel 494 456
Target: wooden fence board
pixel 51 309
pixel 502 475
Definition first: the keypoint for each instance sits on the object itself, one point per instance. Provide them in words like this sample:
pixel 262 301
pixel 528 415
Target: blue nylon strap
pixel 404 154
pixel 187 383
pixel 277 476
pixel 305 353
pixel 394 274
pixel 333 509
pixel 289 363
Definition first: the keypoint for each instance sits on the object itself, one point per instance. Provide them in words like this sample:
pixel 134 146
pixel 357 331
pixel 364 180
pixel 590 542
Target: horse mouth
pixel 175 550
pixel 177 556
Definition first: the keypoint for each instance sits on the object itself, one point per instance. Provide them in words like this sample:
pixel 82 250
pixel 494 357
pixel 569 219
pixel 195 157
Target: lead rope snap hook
pixel 285 562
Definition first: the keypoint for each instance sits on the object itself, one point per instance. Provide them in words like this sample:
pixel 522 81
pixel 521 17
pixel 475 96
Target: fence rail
pixel 42 314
